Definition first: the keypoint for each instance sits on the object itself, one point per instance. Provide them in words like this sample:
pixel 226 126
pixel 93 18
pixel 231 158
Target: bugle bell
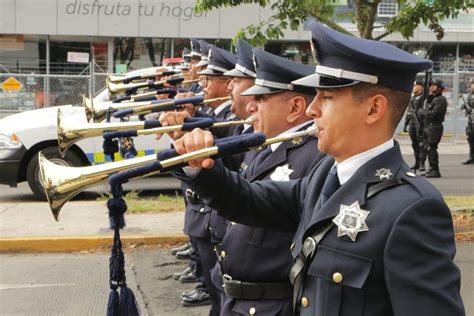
pixel 62 183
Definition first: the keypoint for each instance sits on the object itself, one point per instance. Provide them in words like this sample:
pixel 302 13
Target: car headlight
pixel 9 141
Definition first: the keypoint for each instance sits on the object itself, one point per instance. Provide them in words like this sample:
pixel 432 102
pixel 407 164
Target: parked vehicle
pixel 24 135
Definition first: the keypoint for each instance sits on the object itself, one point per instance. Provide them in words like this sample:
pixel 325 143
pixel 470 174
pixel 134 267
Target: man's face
pixel 471 86
pixel 268 112
pixel 417 89
pixel 434 88
pixel 338 118
pixel 215 87
pixel 239 102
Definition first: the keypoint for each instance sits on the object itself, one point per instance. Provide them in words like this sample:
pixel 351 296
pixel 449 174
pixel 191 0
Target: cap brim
pixel 202 62
pixel 259 90
pixel 210 72
pixel 236 73
pixel 319 81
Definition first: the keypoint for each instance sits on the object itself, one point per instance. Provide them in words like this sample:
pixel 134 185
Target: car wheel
pixel 52 154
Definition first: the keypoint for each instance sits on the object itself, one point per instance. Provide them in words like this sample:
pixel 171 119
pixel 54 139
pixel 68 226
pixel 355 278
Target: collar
pixel 347 168
pixel 288 131
pixel 221 107
pixel 246 127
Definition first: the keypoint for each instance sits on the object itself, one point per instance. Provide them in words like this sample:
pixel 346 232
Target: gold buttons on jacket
pixel 337 277
pixel 304 301
pixel 222 254
pixel 252 311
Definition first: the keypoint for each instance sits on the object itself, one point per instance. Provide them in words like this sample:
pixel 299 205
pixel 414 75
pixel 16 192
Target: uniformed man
pixel 468 107
pixel 371 238
pixel 432 114
pixel 412 123
pixel 278 108
pixel 197 215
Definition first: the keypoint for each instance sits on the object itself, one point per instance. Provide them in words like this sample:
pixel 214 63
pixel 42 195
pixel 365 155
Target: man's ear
pixel 377 108
pixel 297 109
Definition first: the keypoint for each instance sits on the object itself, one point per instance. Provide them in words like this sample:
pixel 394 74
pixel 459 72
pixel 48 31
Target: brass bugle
pixel 126 78
pixel 97 113
pixel 140 108
pixel 115 88
pixel 175 128
pixel 62 183
pixel 70 132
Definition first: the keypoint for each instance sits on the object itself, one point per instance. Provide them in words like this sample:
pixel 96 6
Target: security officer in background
pixel 468 107
pixel 371 238
pixel 197 216
pixel 278 108
pixel 412 123
pixel 432 114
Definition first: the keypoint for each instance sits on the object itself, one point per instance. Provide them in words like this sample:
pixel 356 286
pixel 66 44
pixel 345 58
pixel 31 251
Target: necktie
pixel 238 129
pixel 262 155
pixel 330 185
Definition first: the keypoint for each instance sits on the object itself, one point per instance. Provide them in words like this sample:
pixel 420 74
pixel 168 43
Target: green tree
pixel 289 14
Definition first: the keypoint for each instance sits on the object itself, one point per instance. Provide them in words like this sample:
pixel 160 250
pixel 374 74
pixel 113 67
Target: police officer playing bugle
pixel 371 238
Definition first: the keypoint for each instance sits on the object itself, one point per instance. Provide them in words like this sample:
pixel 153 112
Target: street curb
pixel 79 243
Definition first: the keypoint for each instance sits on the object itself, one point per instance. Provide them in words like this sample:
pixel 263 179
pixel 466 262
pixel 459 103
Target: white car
pixel 24 135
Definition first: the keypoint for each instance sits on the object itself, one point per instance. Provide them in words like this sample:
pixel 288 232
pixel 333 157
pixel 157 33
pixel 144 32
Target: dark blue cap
pixel 275 74
pixel 220 61
pixel 186 52
pixel 344 60
pixel 244 67
pixel 204 53
pixel 195 48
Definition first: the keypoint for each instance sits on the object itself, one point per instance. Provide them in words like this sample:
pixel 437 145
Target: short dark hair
pixel 397 100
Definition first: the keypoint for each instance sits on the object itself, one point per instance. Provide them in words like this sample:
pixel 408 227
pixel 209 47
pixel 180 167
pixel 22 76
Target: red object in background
pixel 100 48
pixel 175 60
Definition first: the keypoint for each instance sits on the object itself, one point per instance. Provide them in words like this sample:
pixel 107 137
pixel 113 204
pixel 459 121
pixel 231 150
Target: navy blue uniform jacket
pixel 403 265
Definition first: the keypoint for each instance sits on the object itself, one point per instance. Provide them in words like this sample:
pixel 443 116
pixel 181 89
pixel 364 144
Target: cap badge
pixel 351 220
pixel 383 173
pixel 281 173
pixel 254 60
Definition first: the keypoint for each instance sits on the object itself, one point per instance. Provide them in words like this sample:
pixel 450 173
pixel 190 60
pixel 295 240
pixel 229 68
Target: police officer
pixel 468 107
pixel 371 238
pixel 197 215
pixel 412 123
pixel 278 107
pixel 432 114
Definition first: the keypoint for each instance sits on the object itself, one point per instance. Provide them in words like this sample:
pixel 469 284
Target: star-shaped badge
pixel 383 173
pixel 351 220
pixel 281 173
pixel 297 140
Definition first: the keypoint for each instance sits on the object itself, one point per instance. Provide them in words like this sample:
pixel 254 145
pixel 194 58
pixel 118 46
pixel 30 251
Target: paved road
pixel 77 284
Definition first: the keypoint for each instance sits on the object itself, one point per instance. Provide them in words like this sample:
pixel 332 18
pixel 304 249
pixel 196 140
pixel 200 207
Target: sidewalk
pixel 30 227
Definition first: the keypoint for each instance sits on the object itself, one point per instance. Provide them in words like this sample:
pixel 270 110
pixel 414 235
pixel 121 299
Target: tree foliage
pixel 290 14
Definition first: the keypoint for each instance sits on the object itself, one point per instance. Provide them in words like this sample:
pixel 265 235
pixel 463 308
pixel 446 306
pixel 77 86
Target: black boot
pixel 177 275
pixel 198 298
pixel 433 174
pixel 470 161
pixel 186 246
